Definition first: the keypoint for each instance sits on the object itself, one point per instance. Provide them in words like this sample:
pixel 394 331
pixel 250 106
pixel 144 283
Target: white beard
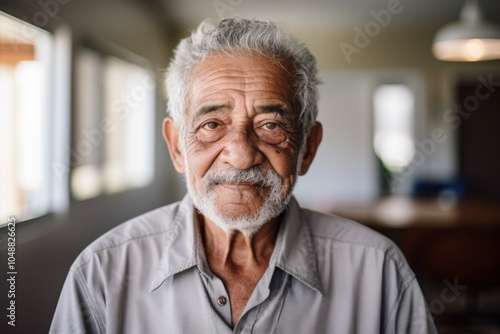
pixel 274 203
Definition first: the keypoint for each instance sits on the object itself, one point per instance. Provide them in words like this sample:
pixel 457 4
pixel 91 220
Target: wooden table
pixel 418 225
pixel 404 212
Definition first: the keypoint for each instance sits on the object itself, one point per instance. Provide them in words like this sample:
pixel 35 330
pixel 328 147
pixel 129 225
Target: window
pixel 393 137
pixel 114 123
pixel 26 110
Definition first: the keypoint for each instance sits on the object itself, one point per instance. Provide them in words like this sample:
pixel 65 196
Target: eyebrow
pixel 210 108
pixel 279 109
pixel 276 108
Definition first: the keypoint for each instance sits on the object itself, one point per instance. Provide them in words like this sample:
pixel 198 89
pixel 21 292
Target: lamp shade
pixel 469 39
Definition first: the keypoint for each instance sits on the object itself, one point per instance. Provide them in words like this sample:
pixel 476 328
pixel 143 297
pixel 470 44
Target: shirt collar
pixel 297 255
pixel 179 251
pixel 184 249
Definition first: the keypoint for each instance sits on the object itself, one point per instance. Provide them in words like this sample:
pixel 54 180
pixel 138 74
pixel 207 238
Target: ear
pixel 171 136
pixel 311 147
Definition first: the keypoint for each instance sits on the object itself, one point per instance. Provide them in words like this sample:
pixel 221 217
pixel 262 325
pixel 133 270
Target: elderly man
pixel 238 254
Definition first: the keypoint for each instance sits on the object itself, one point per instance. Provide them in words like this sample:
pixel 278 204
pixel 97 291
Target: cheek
pixel 200 157
pixel 286 155
pixel 283 162
pixel 294 142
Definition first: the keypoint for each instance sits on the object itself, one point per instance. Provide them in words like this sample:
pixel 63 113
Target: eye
pixel 270 126
pixel 210 131
pixel 271 132
pixel 210 125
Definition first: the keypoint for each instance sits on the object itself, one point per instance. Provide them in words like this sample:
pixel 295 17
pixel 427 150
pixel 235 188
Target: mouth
pixel 251 180
pixel 239 185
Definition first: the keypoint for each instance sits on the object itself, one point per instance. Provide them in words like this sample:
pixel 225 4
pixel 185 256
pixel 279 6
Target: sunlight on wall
pixel 114 126
pixel 393 125
pixel 25 120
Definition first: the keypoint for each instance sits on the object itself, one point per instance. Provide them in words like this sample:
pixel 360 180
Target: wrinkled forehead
pixel 251 73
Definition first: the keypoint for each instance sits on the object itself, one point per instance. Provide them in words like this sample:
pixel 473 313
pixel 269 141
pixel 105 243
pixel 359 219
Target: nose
pixel 241 150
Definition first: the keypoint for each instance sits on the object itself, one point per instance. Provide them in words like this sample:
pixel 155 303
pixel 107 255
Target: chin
pixel 247 224
pixel 244 218
pixel 244 226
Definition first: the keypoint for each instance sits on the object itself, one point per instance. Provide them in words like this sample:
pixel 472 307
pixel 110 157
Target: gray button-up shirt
pixel 326 275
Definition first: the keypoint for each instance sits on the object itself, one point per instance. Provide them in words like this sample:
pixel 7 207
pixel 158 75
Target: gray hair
pixel 237 35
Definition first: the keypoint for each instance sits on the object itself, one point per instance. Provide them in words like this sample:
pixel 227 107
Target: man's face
pixel 241 150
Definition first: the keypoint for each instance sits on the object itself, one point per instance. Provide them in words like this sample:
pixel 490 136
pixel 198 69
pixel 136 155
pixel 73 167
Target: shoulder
pixel 354 260
pixel 339 231
pixel 343 230
pixel 147 229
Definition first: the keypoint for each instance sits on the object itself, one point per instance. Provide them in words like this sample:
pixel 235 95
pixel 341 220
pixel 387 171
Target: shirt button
pixel 221 300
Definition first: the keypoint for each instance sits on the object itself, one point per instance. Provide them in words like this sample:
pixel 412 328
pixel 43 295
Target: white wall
pixel 345 168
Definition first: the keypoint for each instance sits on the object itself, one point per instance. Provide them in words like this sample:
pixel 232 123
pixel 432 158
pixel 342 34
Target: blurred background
pixel 411 142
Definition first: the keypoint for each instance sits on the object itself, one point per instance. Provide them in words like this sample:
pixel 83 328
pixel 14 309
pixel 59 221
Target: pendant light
pixel 469 39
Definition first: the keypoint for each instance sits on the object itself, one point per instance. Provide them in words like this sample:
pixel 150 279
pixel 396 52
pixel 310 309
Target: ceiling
pixel 324 14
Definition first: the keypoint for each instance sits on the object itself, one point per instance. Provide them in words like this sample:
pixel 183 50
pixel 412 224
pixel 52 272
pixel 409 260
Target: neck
pixel 235 250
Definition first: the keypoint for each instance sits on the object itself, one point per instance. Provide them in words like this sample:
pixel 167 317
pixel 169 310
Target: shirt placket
pixel 220 303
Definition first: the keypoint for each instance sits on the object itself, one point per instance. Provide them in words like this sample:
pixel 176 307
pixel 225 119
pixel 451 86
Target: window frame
pixel 414 80
pixel 105 48
pixel 59 100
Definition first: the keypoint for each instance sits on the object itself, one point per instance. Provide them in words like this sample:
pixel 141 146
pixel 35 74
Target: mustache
pixel 254 175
